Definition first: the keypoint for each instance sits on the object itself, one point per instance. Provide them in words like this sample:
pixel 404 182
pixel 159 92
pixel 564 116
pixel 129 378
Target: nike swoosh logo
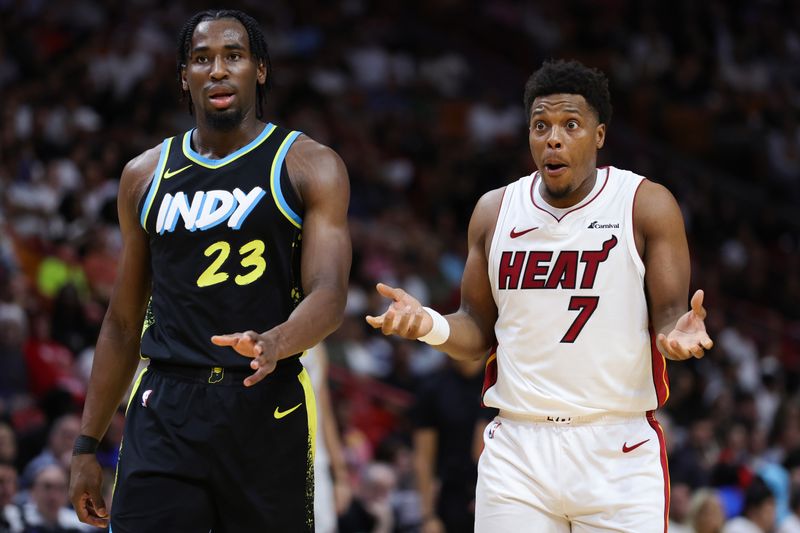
pixel 280 414
pixel 168 174
pixel 515 233
pixel 628 449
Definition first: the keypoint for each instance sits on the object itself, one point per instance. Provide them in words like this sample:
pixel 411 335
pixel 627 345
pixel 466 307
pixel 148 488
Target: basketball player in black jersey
pixel 235 226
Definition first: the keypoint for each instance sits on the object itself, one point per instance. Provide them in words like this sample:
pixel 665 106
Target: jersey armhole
pixel 280 187
pixel 501 216
pixel 147 202
pixel 629 223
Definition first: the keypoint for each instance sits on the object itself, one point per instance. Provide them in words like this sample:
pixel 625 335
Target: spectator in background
pixel 70 326
pixel 8 489
pixel 447 442
pixel 791 524
pixel 47 510
pixel 59 269
pixel 758 515
pixel 50 364
pixel 13 330
pixel 371 510
pixel 706 514
pixel 679 504
pixel 8 444
pixel 59 447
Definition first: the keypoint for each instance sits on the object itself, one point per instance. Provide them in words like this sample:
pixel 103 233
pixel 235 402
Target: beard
pixel 558 193
pixel 224 120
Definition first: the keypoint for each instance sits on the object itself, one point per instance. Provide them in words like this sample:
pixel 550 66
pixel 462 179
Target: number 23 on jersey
pixel 250 256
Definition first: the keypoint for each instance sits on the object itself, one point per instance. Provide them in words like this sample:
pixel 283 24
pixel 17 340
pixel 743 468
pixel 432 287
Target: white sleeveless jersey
pixel 573 334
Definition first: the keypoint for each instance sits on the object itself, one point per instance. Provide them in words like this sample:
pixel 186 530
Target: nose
pixel 218 69
pixel 554 139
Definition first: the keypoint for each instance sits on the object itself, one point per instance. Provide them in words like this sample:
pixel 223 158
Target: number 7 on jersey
pixel 586 305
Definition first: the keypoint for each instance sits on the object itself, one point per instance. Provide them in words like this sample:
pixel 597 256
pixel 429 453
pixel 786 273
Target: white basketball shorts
pixel 603 473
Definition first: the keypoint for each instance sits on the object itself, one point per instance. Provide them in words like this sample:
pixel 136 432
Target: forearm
pixel 664 320
pixel 468 341
pixel 318 315
pixel 115 361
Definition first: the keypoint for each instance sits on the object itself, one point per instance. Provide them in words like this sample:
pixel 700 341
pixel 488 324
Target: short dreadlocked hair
pixel 570 77
pixel 258 49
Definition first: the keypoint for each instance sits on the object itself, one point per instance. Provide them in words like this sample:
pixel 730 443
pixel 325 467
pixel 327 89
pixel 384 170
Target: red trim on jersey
pixel 533 198
pixel 490 374
pixel 633 213
pixel 651 419
pixel 660 376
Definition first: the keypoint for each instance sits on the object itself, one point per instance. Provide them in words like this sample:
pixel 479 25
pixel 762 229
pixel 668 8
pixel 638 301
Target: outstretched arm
pixel 472 326
pixel 661 240
pixel 321 180
pixel 117 352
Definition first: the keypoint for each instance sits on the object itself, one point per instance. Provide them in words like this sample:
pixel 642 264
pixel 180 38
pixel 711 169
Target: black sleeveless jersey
pixel 224 247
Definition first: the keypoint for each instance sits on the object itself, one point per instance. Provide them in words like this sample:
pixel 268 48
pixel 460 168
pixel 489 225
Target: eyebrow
pixel 234 46
pixel 572 110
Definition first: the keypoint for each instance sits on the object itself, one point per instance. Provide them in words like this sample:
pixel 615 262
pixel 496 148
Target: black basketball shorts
pixel 201 452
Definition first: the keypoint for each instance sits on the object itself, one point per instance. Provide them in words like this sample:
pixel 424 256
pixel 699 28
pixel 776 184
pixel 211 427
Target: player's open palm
pixel 250 344
pixel 404 316
pixel 689 338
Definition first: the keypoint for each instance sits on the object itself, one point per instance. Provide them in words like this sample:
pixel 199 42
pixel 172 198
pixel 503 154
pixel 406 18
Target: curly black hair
pixel 570 77
pixel 258 48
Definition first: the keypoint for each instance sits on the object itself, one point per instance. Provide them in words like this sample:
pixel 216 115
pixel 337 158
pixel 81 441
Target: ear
pixel 261 72
pixel 600 135
pixel 184 83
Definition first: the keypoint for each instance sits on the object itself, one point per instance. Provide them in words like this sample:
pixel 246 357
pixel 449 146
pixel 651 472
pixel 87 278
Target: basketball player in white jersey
pixel 578 276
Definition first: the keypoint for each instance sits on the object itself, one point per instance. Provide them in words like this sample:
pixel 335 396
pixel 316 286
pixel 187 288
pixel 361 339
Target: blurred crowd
pixel 423 101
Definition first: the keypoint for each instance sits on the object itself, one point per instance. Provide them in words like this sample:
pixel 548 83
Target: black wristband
pixel 85 444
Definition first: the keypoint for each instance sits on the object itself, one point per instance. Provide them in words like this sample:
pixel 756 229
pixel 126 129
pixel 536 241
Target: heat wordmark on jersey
pixel 563 271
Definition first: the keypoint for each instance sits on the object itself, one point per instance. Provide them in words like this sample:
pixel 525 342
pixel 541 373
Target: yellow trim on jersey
pixel 311 409
pixel 217 163
pixel 664 380
pixel 122 441
pixel 151 195
pixel 135 388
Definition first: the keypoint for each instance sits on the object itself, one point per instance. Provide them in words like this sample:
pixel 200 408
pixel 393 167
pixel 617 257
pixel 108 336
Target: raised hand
pixel 404 316
pixel 689 337
pixel 250 344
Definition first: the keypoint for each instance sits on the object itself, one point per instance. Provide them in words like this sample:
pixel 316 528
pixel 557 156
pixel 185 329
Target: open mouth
pixel 552 167
pixel 221 100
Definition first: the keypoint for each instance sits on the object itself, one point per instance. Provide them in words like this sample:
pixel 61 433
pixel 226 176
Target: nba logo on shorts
pixel 145 395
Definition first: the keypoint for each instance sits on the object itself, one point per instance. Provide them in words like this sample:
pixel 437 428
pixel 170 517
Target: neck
pixel 569 198
pixel 216 144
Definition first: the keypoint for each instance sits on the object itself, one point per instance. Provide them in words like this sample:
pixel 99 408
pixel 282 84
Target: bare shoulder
pixel 655 209
pixel 653 200
pixel 484 216
pixel 316 168
pixel 138 173
pixel 489 203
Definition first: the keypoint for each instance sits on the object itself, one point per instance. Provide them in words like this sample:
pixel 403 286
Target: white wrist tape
pixel 440 331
